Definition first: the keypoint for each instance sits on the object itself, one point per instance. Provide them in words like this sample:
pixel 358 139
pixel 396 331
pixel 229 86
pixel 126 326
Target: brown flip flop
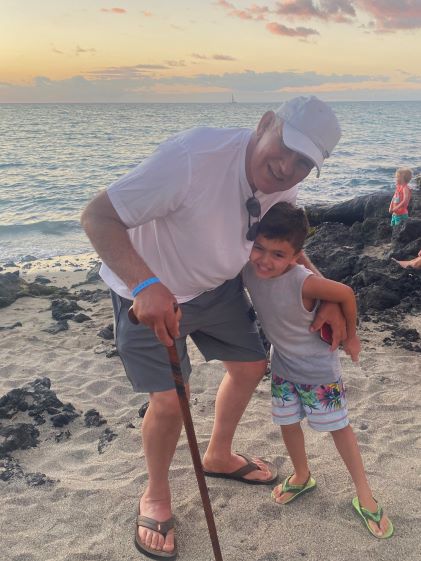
pixel 163 528
pixel 238 475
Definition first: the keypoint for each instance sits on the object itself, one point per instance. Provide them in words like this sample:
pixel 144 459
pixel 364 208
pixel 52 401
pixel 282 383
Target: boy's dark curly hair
pixel 284 221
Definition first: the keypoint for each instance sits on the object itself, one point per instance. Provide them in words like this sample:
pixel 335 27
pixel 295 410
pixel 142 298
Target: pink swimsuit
pixel 398 197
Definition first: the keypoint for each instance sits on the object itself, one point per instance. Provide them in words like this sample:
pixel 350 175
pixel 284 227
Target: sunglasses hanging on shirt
pixel 254 210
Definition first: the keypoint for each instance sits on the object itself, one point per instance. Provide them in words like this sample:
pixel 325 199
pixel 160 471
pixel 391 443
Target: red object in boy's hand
pixel 326 333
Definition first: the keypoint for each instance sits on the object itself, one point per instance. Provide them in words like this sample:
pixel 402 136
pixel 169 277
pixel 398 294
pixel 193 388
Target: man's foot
pixel 376 521
pixel 292 487
pixel 159 511
pixel 241 467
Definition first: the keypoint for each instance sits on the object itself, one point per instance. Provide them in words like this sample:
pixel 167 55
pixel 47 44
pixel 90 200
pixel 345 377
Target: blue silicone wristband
pixel 143 285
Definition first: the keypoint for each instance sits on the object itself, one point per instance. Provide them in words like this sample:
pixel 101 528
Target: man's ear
pixel 265 122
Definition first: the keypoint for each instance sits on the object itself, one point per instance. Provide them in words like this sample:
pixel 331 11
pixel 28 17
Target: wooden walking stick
pixel 191 437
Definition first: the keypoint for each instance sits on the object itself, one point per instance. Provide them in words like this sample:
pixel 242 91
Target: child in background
pixel 306 374
pixel 398 207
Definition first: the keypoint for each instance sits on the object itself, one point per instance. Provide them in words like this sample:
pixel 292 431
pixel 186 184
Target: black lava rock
pixel 17 437
pixel 61 325
pixel 42 280
pixel 64 309
pixel 80 318
pixel 111 352
pixel 107 332
pixel 10 468
pixel 143 409
pixel 94 419
pixel 105 439
pixel 8 327
pixel 37 479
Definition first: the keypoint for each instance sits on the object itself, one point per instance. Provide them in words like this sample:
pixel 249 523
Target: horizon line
pixel 198 102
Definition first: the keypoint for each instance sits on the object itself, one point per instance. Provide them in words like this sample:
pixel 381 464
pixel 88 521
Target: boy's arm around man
pixel 316 287
pixel 328 311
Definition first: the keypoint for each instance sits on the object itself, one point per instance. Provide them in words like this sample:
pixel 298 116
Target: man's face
pixel 271 166
pixel 272 258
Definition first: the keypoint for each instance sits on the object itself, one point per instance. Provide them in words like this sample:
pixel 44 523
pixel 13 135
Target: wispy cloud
pixel 223 57
pixel 388 15
pixel 114 10
pixel 414 79
pixel 79 50
pixel 176 63
pixel 219 57
pixel 269 81
pixel 255 12
pixel 126 72
pixel 297 9
pixel 341 11
pixel 393 15
pixel 279 29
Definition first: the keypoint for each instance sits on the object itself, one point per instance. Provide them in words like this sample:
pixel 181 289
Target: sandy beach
pixel 85 511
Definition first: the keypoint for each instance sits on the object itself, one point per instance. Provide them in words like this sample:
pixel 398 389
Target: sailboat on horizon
pixel 232 99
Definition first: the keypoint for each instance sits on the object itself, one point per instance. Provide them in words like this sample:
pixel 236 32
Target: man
pixel 178 229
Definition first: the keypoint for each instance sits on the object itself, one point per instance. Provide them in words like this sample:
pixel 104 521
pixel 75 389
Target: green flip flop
pixel 297 490
pixel 366 515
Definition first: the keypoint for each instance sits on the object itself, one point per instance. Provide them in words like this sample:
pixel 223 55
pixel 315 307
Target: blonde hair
pixel 405 174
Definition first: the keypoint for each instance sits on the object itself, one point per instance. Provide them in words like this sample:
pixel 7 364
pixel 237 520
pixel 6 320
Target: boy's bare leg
pixel 347 446
pixel 160 433
pixel 294 441
pixel 233 395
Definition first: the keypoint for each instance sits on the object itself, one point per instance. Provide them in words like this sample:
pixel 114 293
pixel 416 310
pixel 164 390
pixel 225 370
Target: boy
pixel 398 207
pixel 306 374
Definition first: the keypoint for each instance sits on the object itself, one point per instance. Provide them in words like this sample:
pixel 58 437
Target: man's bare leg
pixel 232 398
pixel 161 429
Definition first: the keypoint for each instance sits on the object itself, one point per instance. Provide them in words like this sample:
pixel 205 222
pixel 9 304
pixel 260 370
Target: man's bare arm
pixel 108 234
pixel 153 306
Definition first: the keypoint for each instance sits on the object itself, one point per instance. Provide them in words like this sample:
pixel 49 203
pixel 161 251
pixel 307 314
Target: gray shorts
pixel 218 321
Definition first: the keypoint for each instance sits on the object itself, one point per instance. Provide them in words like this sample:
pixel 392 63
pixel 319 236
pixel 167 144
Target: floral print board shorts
pixel 324 406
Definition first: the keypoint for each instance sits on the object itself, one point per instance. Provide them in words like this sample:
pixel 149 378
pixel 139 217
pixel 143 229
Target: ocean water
pixel 55 157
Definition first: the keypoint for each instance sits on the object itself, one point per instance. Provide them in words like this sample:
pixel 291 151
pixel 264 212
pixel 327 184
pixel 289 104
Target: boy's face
pixel 272 258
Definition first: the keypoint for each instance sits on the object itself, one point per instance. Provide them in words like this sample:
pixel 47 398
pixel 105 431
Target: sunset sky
pixel 200 50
